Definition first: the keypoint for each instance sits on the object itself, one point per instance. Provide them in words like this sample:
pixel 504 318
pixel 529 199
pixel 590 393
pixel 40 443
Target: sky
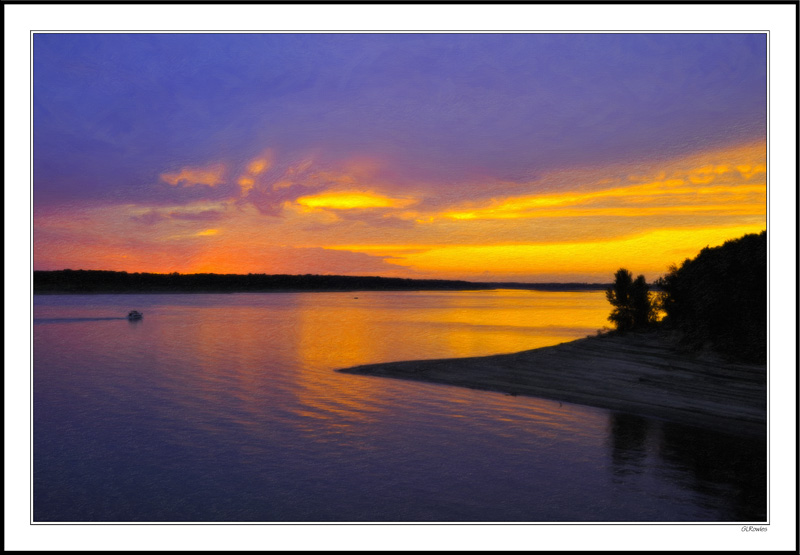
pixel 496 157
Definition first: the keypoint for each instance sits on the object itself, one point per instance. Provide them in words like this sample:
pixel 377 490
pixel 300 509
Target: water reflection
pixel 72 320
pixel 723 466
pixel 228 408
pixel 710 465
pixel 628 435
pixel 337 331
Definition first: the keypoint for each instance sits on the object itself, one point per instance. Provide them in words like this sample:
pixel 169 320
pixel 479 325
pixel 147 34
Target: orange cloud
pixel 715 182
pixel 246 183
pixel 258 166
pixel 254 169
pixel 188 177
pixel 749 171
pixel 582 224
pixel 661 198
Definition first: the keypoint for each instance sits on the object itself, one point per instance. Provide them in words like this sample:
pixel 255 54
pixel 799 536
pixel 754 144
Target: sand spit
pixel 642 373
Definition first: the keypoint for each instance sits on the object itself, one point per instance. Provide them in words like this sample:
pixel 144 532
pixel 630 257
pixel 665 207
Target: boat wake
pixel 73 320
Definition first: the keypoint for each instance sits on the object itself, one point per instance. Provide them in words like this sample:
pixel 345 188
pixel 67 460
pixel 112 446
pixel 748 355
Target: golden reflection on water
pixel 348 330
pixel 335 333
pixel 238 393
pixel 343 330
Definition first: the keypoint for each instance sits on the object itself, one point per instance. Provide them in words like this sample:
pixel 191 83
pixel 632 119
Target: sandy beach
pixel 643 373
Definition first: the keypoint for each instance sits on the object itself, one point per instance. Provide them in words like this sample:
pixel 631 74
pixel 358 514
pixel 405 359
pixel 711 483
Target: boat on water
pixel 134 315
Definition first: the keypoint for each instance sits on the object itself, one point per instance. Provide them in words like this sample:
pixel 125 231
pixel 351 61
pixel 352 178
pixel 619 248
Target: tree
pixel 619 295
pixel 719 298
pixel 633 307
pixel 641 305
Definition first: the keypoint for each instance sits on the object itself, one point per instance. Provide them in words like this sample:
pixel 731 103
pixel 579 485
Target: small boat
pixel 134 315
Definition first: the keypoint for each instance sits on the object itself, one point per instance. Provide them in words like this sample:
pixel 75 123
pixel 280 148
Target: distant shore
pixel 65 282
pixel 639 373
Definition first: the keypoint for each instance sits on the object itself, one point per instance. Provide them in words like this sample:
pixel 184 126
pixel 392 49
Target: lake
pixel 228 408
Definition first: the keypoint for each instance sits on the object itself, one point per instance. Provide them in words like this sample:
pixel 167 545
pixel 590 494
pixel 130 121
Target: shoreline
pixel 221 292
pixel 645 374
pixel 67 282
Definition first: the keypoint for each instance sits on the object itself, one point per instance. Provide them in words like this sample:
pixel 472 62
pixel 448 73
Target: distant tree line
pixel 100 281
pixel 717 299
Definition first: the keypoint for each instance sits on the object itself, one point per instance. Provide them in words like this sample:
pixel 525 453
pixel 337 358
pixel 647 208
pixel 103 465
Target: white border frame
pixel 778 19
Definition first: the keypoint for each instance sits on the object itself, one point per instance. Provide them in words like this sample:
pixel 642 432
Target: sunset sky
pixel 524 157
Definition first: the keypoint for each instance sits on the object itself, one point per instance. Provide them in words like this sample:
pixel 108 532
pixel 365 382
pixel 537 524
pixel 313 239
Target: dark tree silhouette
pixel 619 295
pixel 719 298
pixel 644 313
pixel 633 307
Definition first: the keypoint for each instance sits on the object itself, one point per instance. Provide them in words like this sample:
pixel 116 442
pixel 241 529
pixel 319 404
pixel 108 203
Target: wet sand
pixel 646 374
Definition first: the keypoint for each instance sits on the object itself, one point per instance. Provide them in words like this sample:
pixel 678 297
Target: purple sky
pixel 114 111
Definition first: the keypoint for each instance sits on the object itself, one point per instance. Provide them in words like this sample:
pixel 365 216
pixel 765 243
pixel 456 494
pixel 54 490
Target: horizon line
pixel 360 276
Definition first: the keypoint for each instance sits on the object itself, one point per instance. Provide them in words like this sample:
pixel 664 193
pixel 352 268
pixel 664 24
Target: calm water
pixel 228 408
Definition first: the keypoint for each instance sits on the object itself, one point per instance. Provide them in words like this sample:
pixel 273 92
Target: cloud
pixel 253 170
pixel 381 227
pixel 313 183
pixel 150 217
pixel 197 216
pixel 749 171
pixel 189 177
pixel 257 166
pixel 651 199
pixel 648 253
pixel 271 202
pixel 687 186
pixel 352 200
pixel 154 216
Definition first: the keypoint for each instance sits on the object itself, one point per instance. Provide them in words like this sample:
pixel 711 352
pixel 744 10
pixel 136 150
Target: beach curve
pixel 647 374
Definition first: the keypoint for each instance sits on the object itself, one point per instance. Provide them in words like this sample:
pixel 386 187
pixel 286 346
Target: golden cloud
pixel 349 200
pixel 649 253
